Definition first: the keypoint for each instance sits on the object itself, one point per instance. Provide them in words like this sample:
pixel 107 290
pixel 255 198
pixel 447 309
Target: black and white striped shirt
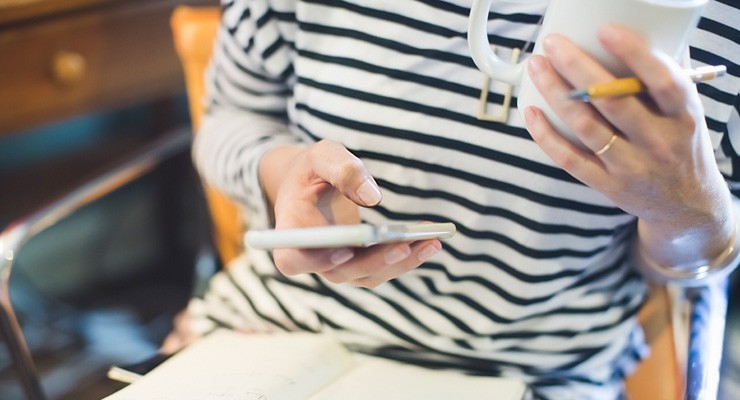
pixel 536 283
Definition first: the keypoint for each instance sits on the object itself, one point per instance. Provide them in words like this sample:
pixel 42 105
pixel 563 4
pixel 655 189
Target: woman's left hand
pixel 661 167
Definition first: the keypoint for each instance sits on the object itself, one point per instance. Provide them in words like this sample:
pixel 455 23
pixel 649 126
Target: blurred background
pixel 86 85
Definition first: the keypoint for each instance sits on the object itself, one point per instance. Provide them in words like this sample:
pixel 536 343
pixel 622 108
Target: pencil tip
pixel 580 95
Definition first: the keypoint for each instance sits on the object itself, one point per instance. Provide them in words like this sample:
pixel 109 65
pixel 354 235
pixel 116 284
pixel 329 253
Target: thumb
pixel 333 163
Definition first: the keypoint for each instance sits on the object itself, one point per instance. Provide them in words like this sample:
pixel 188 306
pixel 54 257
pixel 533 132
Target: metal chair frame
pixel 19 232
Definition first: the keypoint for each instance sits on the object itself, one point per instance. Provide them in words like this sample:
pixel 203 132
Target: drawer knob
pixel 68 67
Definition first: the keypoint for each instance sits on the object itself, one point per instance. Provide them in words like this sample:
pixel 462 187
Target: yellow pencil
pixel 630 86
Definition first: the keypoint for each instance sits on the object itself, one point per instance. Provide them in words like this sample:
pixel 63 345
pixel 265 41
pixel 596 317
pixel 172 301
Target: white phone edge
pixel 359 235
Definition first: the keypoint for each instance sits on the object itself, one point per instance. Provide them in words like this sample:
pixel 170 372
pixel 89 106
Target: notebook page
pixel 228 365
pixel 375 378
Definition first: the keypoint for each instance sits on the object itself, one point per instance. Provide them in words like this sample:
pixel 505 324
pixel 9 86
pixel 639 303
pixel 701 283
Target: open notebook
pixel 228 365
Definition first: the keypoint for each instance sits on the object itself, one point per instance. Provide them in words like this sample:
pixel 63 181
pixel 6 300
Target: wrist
pixel 691 274
pixel 691 256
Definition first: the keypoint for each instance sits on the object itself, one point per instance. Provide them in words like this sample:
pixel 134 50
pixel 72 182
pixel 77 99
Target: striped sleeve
pixel 247 91
pixel 717 42
pixel 535 284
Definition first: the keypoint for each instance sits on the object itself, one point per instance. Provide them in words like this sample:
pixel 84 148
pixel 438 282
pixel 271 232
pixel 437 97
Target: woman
pixel 335 112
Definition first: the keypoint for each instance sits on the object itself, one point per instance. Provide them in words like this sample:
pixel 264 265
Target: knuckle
pixel 324 145
pixel 348 168
pixel 693 124
pixel 567 60
pixel 568 162
pixel 612 105
pixel 332 277
pixel 286 269
pixel 584 124
pixel 667 87
pixel 633 173
pixel 368 282
pixel 285 263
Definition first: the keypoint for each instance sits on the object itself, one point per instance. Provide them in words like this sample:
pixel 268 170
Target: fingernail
pixel 428 251
pixel 549 43
pixel 609 33
pixel 552 43
pixel 369 193
pixel 397 254
pixel 341 256
pixel 536 64
pixel 530 116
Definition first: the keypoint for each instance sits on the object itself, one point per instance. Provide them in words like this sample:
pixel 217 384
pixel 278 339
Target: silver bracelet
pixel 720 266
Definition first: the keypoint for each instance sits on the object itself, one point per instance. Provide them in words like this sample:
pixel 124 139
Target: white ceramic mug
pixel 665 24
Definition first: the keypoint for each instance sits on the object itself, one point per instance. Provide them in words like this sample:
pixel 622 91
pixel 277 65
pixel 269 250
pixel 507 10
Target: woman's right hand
pixel 324 184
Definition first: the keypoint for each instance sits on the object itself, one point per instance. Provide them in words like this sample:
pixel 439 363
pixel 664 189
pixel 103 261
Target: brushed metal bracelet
pixel 721 265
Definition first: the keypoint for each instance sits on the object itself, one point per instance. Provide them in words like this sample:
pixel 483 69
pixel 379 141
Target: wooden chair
pixel 194 30
pixel 661 376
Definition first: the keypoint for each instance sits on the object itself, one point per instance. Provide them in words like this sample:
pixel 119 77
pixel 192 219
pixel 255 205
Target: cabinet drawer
pixel 85 61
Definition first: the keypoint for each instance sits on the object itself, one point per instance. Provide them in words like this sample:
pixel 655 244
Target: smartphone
pixel 359 235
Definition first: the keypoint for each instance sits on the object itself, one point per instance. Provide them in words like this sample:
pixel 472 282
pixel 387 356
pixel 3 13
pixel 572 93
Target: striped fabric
pixel 536 283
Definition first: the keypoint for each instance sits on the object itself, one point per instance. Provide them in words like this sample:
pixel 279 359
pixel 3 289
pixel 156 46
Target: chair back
pixel 194 31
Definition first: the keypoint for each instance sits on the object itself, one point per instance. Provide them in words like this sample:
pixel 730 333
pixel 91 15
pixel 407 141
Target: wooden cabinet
pixel 71 58
pixel 102 75
pixel 64 58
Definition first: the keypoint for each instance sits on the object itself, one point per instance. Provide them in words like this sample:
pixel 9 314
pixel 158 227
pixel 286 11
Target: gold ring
pixel 607 146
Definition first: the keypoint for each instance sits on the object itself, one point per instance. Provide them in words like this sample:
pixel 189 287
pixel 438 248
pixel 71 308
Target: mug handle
pixel 480 48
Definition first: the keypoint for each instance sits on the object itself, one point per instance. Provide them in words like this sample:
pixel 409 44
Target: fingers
pixel 323 185
pixel 326 180
pixel 640 120
pixel 597 121
pixel 664 79
pixel 398 259
pixel 643 147
pixel 592 129
pixel 333 163
pixel 293 261
pixel 366 267
pixel 583 166
pixel 672 94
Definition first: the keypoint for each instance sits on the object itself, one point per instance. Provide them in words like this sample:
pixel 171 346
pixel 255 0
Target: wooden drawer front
pixel 104 57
